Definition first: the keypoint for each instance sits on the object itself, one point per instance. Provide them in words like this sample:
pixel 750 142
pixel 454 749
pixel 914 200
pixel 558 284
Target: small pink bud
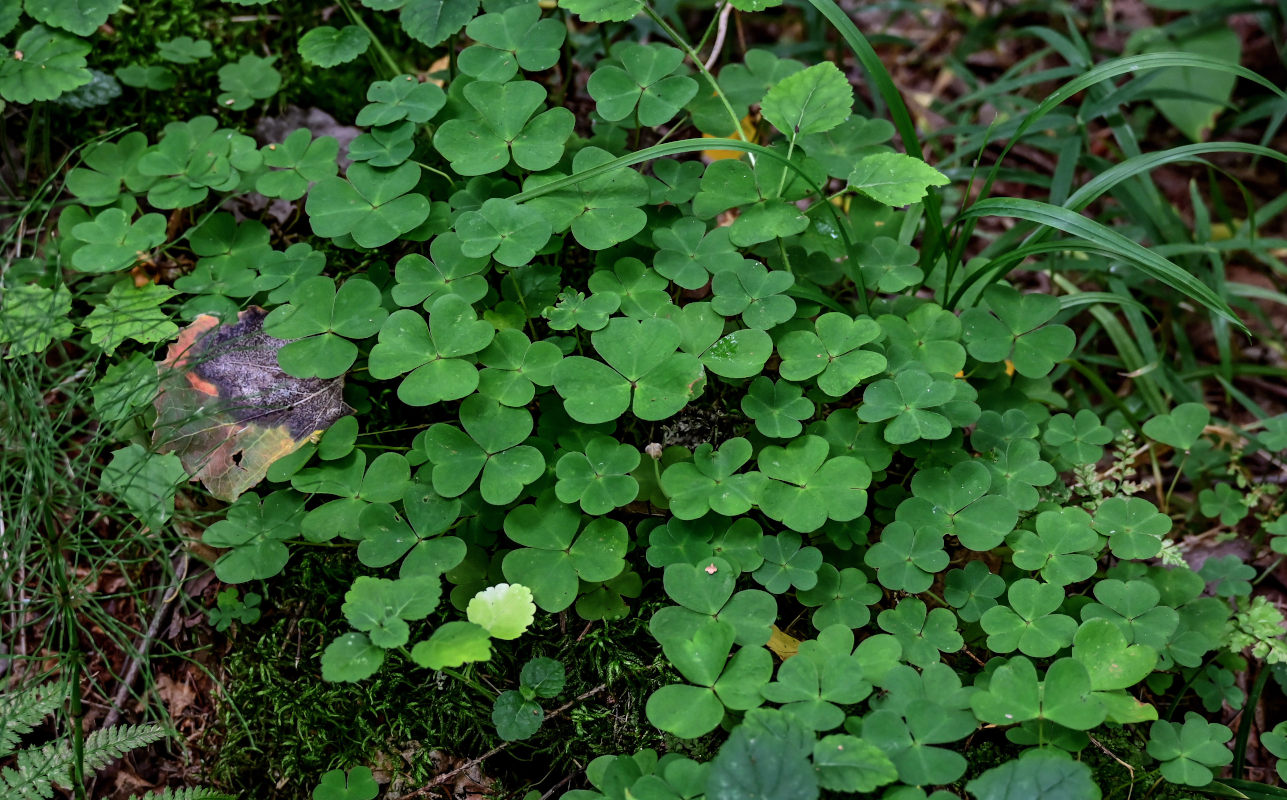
pixel 654 450
pixel 712 569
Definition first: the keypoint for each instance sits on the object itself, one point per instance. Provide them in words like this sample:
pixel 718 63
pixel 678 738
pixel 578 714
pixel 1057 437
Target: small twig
pixel 558 786
pixel 163 606
pixel 1113 756
pixel 720 31
pixel 447 776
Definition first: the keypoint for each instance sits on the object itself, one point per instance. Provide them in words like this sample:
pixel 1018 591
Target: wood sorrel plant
pixel 761 386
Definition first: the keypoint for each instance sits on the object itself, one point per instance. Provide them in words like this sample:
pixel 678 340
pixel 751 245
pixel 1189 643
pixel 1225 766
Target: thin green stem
pixel 394 69
pixel 1248 715
pixel 470 682
pixel 693 56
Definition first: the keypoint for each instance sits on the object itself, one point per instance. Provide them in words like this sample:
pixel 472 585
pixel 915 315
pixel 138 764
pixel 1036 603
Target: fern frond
pixel 108 744
pixel 23 710
pixel 188 793
pixel 35 772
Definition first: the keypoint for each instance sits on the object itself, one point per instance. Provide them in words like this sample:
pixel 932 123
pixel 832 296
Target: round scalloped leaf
pixel 81 17
pixel 505 610
pixel 515 717
pixel 328 47
pixel 43 65
pixel 351 657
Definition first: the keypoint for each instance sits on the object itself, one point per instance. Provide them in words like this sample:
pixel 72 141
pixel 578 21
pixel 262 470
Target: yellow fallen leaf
pixel 783 645
pixel 748 130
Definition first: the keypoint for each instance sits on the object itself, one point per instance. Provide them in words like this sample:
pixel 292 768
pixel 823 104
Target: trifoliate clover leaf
pixel 505 610
pixel 703 590
pixel 491 445
pixel 889 266
pixel 248 79
pixel 155 77
pixel 282 271
pixel 828 672
pixel 1231 577
pixel 356 485
pixel 707 585
pixel 1080 439
pixel 221 241
pixel 755 293
pixel 403 98
pixel 1046 773
pixel 1017 329
pixel 386 537
pixel 145 482
pixel 906 401
pixel 813 100
pixel 575 310
pixel 688 255
pixel 503 127
pixel 744 84
pixel 516 717
pixel 1181 428
pixel 787 564
pixel 321 320
pixel 381 608
pixel 512 39
pixel 33 317
pixel 1065 696
pixel 555 556
pixel 923 635
pixel 840 597
pixel 957 502
pixel 113 242
pixel 328 47
pixel 192 158
pixel 508 232
pixel 907 559
pixel 677 181
pixel 929 336
pixel 1188 752
pixel 599 479
pixel 646 87
pixel 684 542
pixel 741 353
pixel 430 22
pixel 297 161
pixel 972 590
pixel 374 206
pixel 848 764
pixel 606 600
pixel 1133 525
pixel 419 280
pixel 643 371
pixel 849 437
pixel 806 488
pixel 834 353
pixel 604 10
pixel 1029 624
pixel 996 431
pixel 1273 438
pixel 777 407
pixel 255 532
pixel 1063 548
pixel 359 785
pixel 601 211
pixel 453 644
pixel 43 64
pixel 515 366
pixel 1275 741
pixel 131 312
pixel 104 166
pixel 1223 501
pixel 894 179
pixel 431 353
pixel 642 290
pixel 351 657
pixel 1017 469
pixel 708 482
pixel 184 50
pixel 763 193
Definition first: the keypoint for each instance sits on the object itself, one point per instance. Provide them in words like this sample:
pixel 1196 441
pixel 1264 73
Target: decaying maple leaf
pixel 229 411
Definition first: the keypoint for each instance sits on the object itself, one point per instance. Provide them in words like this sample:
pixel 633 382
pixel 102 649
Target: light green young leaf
pixel 895 179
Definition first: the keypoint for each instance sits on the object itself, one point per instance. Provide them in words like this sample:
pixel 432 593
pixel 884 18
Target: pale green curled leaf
pixel 1147 261
pixel 811 101
pixel 145 482
pixel 33 317
pixel 1204 93
pixel 894 179
pixel 453 644
pixel 325 46
pixel 1112 663
pixel 505 610
pixel 51 63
